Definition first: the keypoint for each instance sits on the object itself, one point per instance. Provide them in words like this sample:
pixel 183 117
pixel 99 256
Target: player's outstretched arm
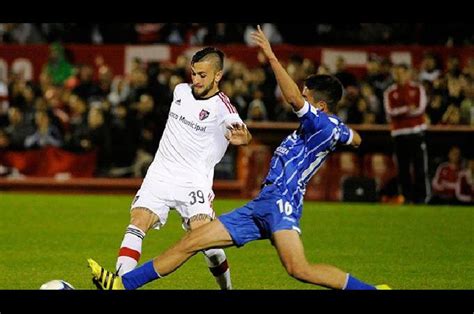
pixel 288 87
pixel 238 134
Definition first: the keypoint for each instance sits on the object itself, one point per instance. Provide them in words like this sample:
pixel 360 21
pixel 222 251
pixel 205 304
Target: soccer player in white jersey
pixel 201 124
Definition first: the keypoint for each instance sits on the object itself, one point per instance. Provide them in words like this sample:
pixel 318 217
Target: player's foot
pixel 383 287
pixel 104 279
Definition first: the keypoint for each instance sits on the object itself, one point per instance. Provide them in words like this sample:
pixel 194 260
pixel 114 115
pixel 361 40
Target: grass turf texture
pixel 45 237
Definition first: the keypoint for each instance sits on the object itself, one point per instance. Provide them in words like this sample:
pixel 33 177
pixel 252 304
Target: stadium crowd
pixel 86 107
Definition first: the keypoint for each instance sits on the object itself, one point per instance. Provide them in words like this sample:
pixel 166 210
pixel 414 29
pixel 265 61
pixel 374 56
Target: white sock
pixel 217 262
pixel 130 250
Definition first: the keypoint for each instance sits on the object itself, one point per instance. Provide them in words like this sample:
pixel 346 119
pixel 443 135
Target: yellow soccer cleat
pixel 383 287
pixel 104 279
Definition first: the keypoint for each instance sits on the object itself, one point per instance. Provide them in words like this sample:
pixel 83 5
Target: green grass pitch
pixel 45 237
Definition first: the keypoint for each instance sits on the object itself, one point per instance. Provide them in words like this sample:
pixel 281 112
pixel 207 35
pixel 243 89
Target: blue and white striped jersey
pixel 303 152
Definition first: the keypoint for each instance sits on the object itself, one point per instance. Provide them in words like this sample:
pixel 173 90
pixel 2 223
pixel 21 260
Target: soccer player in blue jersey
pixel 275 213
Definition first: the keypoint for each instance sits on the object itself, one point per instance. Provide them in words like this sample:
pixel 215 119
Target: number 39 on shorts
pixel 285 207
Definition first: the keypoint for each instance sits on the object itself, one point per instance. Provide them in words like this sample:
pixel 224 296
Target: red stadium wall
pixel 49 162
pixel 31 58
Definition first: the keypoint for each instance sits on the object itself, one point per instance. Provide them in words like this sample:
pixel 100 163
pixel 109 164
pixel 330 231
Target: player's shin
pixel 217 262
pixel 130 250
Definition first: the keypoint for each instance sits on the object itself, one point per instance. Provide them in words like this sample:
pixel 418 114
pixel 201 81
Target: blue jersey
pixel 296 160
pixel 303 152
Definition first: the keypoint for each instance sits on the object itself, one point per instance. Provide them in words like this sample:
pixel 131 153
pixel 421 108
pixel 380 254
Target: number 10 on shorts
pixel 285 207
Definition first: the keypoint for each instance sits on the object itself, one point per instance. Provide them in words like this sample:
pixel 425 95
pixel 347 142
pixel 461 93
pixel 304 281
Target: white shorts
pixel 161 197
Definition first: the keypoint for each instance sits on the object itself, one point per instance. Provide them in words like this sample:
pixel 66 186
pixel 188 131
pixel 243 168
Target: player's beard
pixel 203 92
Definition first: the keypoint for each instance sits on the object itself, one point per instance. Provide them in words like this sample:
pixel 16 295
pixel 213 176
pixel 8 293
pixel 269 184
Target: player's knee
pixel 215 256
pixel 143 218
pixel 297 270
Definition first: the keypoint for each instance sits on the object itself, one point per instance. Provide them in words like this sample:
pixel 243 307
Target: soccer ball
pixel 56 285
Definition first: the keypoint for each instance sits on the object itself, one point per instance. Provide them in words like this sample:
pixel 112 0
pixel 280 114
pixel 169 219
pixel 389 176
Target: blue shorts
pixel 262 217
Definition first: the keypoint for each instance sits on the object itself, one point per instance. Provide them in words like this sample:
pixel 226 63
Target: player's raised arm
pixel 288 87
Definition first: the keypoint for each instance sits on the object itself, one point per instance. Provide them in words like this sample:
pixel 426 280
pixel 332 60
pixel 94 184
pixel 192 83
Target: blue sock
pixel 355 284
pixel 140 276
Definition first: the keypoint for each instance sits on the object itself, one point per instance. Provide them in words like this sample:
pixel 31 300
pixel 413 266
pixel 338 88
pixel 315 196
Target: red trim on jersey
pixel 227 103
pixel 125 251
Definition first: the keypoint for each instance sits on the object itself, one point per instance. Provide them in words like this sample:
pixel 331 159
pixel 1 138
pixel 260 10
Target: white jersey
pixel 193 141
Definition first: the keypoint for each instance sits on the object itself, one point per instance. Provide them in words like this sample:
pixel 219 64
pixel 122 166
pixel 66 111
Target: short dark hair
pixel 202 54
pixel 326 88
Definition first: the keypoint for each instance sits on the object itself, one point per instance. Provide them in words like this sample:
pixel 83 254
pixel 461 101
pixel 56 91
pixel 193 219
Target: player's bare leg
pixel 291 252
pixel 215 258
pixel 209 235
pixel 141 220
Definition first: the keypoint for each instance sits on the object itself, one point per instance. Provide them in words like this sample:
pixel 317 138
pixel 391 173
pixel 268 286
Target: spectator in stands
pixel 123 145
pixel 87 88
pixel 284 111
pixel 139 84
pixel 57 66
pixel 323 69
pixel 446 178
pixel 4 146
pixel 347 78
pixel 378 82
pixel 105 76
pixel 46 133
pixel 374 104
pixel 429 68
pixel 4 140
pixel 97 137
pixel 455 90
pixel 360 113
pixel 436 107
pixel 4 101
pixel 58 109
pixel 196 34
pixel 119 91
pixel 465 186
pixel 18 129
pixel 453 66
pixel 452 115
pixel 173 33
pixel 77 112
pixel 405 104
pixel 145 128
pixel 240 91
pixel 467 105
pixel 468 70
pixel 268 85
pixel 257 110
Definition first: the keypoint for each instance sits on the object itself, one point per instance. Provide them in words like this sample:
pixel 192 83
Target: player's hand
pixel 237 134
pixel 261 40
